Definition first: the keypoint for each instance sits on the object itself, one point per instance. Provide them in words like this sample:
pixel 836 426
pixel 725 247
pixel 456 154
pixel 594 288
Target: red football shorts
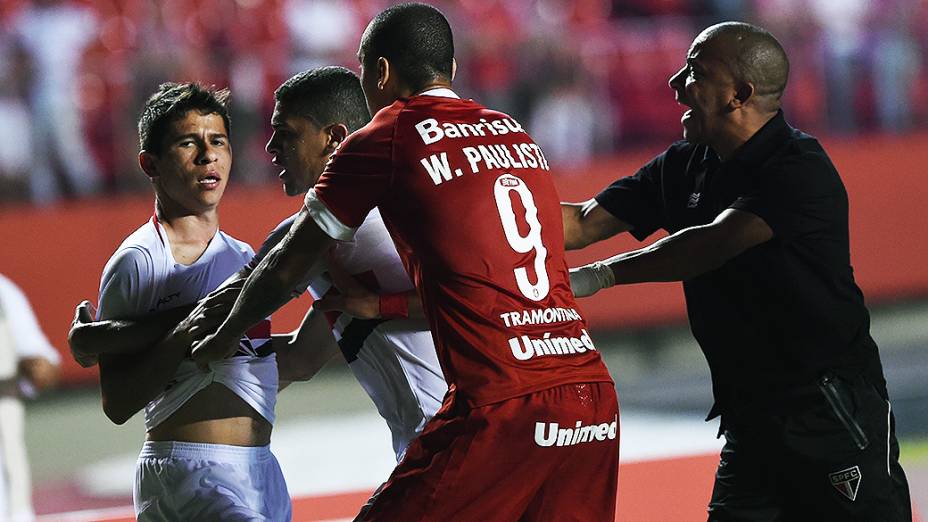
pixel 550 455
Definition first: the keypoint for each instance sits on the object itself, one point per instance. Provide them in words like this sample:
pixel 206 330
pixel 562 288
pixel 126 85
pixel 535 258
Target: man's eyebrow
pixel 691 61
pixel 187 136
pixel 194 135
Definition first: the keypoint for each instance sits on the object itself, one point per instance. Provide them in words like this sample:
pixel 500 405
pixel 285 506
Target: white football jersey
pixel 142 277
pixel 393 360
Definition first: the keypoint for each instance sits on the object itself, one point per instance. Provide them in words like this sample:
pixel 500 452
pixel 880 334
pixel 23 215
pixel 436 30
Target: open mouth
pixel 209 181
pixel 279 164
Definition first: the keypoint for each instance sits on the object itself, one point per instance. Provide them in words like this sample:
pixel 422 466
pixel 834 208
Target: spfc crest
pixel 846 481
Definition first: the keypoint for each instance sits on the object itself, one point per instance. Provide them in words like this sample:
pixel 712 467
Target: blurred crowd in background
pixel 586 77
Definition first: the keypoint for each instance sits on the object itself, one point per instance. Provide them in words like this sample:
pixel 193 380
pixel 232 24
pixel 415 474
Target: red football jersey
pixel 468 198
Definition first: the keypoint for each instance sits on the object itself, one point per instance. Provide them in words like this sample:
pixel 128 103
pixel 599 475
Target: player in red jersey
pixel 529 428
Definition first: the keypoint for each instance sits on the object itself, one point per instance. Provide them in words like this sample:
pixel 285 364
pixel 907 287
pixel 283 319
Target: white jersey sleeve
pixel 24 329
pixel 122 285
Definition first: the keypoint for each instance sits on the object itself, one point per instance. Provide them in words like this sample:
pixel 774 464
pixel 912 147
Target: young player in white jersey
pixel 392 355
pixel 390 349
pixel 206 455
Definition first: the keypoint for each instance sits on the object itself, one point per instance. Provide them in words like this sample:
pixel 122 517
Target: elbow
pixel 77 339
pixel 295 364
pixel 576 242
pixel 117 411
pixel 115 414
pixel 301 370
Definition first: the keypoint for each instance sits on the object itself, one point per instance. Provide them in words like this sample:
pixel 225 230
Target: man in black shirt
pixel 757 217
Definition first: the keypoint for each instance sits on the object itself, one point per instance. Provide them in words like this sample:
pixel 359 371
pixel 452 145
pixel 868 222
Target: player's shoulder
pixel 675 159
pixel 140 247
pixel 287 223
pixel 384 122
pixel 130 262
pixel 683 148
pixel 147 237
pixel 445 107
pixel 236 245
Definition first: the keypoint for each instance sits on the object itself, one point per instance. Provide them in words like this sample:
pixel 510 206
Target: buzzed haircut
pixel 755 56
pixel 415 38
pixel 326 95
pixel 171 102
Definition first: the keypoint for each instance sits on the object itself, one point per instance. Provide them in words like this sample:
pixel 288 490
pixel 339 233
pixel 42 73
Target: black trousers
pixel 835 457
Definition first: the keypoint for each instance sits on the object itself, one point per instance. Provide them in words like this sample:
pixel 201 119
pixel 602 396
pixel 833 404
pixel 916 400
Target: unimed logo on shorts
pixel 551 434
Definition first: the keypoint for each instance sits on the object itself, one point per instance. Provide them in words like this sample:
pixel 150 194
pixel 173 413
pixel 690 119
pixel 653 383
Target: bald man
pixel 758 234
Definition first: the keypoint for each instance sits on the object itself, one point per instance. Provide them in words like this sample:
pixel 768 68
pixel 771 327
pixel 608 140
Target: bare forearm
pixel 124 336
pixel 587 223
pixel 263 293
pixel 681 256
pixel 571 214
pixel 129 382
pixel 278 278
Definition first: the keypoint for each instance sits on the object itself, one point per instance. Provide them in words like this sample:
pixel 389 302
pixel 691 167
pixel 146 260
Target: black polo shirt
pixel 774 318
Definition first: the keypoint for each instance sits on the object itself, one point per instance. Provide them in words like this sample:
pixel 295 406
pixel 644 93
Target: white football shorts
pixel 191 481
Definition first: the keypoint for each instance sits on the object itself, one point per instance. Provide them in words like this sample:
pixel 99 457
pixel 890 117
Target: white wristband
pixel 587 280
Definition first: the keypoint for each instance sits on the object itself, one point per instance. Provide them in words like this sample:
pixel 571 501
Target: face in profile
pixel 705 86
pixel 192 168
pixel 298 147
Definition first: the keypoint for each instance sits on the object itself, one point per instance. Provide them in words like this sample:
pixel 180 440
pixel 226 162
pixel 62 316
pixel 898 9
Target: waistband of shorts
pixel 204 451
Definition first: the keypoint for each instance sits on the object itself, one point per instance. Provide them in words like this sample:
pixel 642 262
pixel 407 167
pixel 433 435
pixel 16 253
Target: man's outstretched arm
pixel 588 222
pixel 89 339
pixel 269 287
pixel 684 255
pixel 130 381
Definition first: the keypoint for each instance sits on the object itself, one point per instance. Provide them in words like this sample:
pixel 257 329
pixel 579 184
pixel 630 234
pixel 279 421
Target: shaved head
pixel 753 55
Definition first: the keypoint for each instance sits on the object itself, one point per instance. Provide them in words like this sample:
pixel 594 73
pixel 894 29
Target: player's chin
pixel 297 187
pixel 292 189
pixel 211 197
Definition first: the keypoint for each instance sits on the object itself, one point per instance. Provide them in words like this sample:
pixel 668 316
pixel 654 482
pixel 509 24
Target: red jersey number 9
pixel 523 244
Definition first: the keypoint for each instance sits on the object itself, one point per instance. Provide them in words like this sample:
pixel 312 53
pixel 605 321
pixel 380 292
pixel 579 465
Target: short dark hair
pixel 754 56
pixel 415 38
pixel 170 102
pixel 326 95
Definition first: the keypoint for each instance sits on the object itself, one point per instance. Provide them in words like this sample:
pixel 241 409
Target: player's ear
pixel 744 91
pixel 337 134
pixel 454 68
pixel 383 72
pixel 147 164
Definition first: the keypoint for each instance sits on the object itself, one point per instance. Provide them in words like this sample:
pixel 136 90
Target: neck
pixel 437 84
pixel 184 226
pixel 740 131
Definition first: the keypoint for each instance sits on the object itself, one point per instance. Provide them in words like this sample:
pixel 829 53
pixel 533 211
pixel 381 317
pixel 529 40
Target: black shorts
pixel 834 458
